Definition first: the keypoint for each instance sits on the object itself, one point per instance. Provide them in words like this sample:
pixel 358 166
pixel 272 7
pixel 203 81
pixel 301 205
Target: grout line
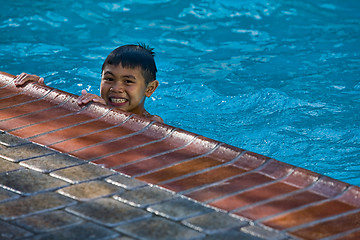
pixel 342 234
pixel 27 102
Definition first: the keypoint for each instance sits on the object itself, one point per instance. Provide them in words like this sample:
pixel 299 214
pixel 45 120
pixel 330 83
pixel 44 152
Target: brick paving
pixel 70 172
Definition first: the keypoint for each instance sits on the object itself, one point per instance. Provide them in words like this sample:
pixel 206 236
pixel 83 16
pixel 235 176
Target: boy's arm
pixel 89 97
pixel 24 78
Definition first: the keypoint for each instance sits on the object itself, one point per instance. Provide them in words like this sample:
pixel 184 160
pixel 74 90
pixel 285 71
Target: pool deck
pixel 91 172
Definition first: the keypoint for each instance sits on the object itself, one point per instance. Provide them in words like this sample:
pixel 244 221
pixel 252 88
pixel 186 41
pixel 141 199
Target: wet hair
pixel 132 56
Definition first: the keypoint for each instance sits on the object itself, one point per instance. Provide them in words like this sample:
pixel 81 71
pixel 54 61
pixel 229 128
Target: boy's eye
pixel 129 81
pixel 108 79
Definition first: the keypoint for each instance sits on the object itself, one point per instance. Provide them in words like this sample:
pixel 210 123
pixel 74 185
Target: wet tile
pixel 81 173
pixel 23 152
pixel 329 187
pixel 179 170
pixel 308 214
pixel 10 232
pixel 276 169
pixel 108 212
pixel 28 182
pixel 13 101
pixel 330 227
pixel 353 235
pixel 231 235
pixel 202 179
pixel 51 162
pixel 214 222
pixel 176 139
pixel 90 190
pixel 178 209
pixel 301 178
pixel 22 207
pixel 280 205
pixel 236 184
pixel 351 196
pixel 250 161
pixel 143 197
pixel 6 166
pixel 81 231
pixel 49 221
pixel 6 195
pixel 125 182
pixel 264 233
pixel 158 228
pixel 9 140
pixel 195 149
pixel 253 196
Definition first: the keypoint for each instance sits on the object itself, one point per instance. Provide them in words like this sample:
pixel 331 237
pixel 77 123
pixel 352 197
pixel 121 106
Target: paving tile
pixel 26 206
pixel 329 187
pixel 301 178
pixel 108 212
pixel 10 232
pixel 253 196
pixel 143 197
pixel 6 166
pixel 23 152
pixel 174 140
pixel 89 231
pixel 6 195
pixel 232 235
pixel 49 221
pixel 309 214
pixel 263 233
pixel 214 222
pixel 351 196
pixel 280 205
pixel 179 170
pixel 81 173
pixel 9 140
pixel 330 227
pixel 125 182
pixel 28 182
pixel 250 160
pixel 15 100
pixel 178 209
pixel 353 235
pixel 90 190
pixel 158 228
pixel 143 136
pixel 51 162
pixel 204 178
pixel 276 169
pixel 196 148
pixel 233 185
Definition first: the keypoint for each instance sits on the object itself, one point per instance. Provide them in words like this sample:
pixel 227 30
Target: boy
pixel 128 77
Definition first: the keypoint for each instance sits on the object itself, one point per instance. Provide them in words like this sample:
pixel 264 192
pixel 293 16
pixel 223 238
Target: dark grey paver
pixel 26 206
pixel 48 221
pixel 232 235
pixel 82 173
pixel 29 182
pixel 6 195
pixel 10 232
pixel 6 166
pixel 90 190
pixel 125 182
pixel 179 209
pixel 88 231
pixel 156 228
pixel 9 140
pixel 214 222
pixel 143 197
pixel 108 211
pixel 23 152
pixel 51 162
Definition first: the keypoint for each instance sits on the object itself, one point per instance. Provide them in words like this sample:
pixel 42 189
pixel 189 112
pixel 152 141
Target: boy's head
pixel 132 56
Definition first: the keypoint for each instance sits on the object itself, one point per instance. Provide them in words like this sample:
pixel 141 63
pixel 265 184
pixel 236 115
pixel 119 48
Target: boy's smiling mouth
pixel 117 101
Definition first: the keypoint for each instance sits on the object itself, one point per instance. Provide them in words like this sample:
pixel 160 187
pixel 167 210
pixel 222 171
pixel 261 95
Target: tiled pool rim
pixel 266 196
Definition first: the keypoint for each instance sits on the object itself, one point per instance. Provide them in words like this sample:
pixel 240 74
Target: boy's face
pixel 125 88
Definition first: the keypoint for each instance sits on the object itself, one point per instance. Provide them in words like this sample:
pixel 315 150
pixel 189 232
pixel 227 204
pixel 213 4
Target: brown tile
pixel 330 228
pixel 351 196
pixel 175 140
pixel 355 235
pixel 196 148
pixel 308 214
pixel 280 205
pixel 250 161
pixel 179 170
pixel 328 187
pixel 253 196
pixel 7 103
pixel 276 169
pixel 301 178
pixel 236 184
pixel 202 179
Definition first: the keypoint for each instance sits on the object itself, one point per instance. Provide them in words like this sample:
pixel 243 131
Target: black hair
pixel 132 56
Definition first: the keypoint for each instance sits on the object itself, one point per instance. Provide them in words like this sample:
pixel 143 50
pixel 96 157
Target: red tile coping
pixel 281 196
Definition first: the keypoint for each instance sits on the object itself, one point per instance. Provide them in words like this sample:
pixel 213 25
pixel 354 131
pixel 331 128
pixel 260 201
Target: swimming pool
pixel 280 78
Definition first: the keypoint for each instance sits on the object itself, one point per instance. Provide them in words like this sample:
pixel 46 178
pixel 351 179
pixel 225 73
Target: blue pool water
pixel 277 77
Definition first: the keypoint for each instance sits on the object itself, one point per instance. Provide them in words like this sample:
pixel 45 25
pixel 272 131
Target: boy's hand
pixel 24 78
pixel 89 97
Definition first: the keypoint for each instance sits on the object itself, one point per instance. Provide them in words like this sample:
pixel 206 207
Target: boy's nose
pixel 117 88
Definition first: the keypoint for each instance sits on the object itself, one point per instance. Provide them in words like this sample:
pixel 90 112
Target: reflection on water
pixel 280 78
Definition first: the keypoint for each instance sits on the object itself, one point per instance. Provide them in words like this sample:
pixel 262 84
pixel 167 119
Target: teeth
pixel 118 100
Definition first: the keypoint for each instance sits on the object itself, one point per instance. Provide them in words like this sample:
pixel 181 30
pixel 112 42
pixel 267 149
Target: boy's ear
pixel 151 87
